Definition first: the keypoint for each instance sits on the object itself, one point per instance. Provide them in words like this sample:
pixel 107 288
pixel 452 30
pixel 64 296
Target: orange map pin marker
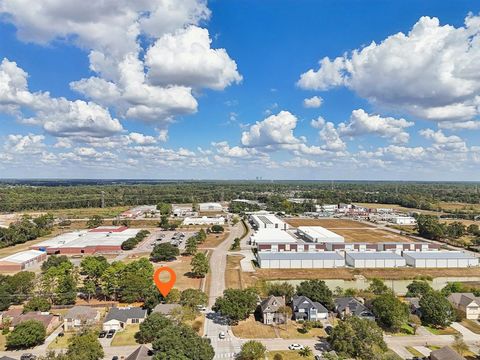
pixel 164 287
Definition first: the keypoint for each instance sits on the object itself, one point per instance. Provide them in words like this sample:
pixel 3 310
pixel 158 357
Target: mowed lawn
pixel 370 235
pixel 126 336
pixel 3 342
pixel 233 275
pixel 213 240
pixel 60 342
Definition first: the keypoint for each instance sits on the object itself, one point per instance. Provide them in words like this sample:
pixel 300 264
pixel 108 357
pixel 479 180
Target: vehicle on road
pixel 110 333
pixel 295 347
pixel 102 334
pixel 221 335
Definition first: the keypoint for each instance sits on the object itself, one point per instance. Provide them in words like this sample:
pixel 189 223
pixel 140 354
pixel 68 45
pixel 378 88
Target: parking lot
pixel 177 238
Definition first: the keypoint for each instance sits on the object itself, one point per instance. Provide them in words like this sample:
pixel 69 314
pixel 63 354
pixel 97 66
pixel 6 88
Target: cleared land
pixel 213 240
pixel 233 272
pixel 182 268
pixel 327 223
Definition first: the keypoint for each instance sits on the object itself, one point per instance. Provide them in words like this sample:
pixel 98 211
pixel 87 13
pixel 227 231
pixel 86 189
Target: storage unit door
pixel 442 263
pixel 328 263
pixel 370 263
pixel 452 263
pixel 307 264
pixel 431 263
pixel 296 264
pixel 462 263
pixel 274 264
pixel 390 263
pixel 284 264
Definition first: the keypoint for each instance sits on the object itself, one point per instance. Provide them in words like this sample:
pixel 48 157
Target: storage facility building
pixel 268 221
pixel 295 260
pixel 403 220
pixel 380 259
pixel 104 239
pixel 22 260
pixel 319 234
pixel 440 259
pixel 210 207
pixel 272 236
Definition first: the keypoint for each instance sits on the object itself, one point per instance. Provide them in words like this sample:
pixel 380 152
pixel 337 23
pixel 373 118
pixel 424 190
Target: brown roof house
pixel 80 316
pixel 270 310
pixel 50 321
pixel 467 303
pixel 445 353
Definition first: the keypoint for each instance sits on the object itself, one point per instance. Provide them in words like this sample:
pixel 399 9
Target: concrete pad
pixel 423 350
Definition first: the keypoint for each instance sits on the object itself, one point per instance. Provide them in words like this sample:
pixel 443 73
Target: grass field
pixel 213 240
pixel 327 223
pixel 370 235
pixel 288 355
pixel 414 351
pixel 3 342
pixel 447 331
pixel 126 336
pixel 233 273
pixel 471 325
pixel 182 268
pixel 83 213
pixel 251 329
pixel 60 342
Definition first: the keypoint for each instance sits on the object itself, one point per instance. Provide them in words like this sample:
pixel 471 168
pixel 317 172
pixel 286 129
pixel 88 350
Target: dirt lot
pixel 182 268
pixel 327 223
pixel 370 235
pixel 233 274
pixel 213 240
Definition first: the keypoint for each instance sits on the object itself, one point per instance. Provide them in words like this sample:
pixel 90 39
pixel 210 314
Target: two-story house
pixel 467 303
pixel 270 310
pixel 306 309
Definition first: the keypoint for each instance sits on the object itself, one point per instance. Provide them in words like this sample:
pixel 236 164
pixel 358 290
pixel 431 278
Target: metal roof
pixel 323 255
pixel 23 256
pixel 438 255
pixel 319 232
pixel 273 236
pixel 373 255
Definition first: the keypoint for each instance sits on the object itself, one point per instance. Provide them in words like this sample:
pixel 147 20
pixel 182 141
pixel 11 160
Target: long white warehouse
pixel 272 236
pixel 319 234
pixel 293 260
pixel 268 221
pixel 379 259
pixel 440 259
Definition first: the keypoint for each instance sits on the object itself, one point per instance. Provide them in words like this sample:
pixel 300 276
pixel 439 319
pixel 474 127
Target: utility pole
pixel 103 199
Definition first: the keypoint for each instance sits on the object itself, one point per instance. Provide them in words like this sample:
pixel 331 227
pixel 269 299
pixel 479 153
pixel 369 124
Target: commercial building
pixel 358 247
pixel 139 211
pixel 319 234
pixel 440 259
pixel 104 239
pixel 204 220
pixel 22 260
pixel 272 236
pixel 183 211
pixel 295 260
pixel 400 247
pixel 210 207
pixel 268 221
pixel 379 259
pixel 403 220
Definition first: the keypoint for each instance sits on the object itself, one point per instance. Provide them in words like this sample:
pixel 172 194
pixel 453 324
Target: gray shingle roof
pixel 140 353
pixel 445 353
pixel 81 312
pixel 303 302
pixel 272 303
pixel 123 314
pixel 165 309
pixel 354 306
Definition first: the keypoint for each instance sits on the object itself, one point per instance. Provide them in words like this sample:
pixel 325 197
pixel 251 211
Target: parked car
pixel 115 357
pixel 295 347
pixel 221 335
pixel 317 357
pixel 110 333
pixel 102 334
pixel 28 356
pixel 61 334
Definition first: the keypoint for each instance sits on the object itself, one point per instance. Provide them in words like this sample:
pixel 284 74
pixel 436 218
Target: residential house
pixel 445 353
pixel 270 310
pixel 118 318
pixel 6 358
pixel 346 306
pixel 414 304
pixel 50 321
pixel 467 303
pixel 140 353
pixel 166 309
pixel 306 309
pixel 80 316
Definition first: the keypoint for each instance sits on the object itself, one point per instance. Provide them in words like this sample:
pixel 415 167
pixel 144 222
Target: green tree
pixel 66 290
pixel 164 252
pixel 94 221
pixel 391 313
pixel 54 261
pixel 253 350
pixel 202 236
pixel 26 335
pixel 37 303
pixel 236 304
pixel 305 352
pixel 358 338
pixel 459 345
pixel 455 230
pixel 200 266
pixel 152 325
pixel 316 290
pixel 418 288
pixel 164 224
pixel 191 245
pixel 217 229
pixel 281 289
pixel 173 296
pixel 135 281
pixel 84 346
pixel 429 227
pixel 193 298
pixel 378 287
pixel 164 208
pixel 436 310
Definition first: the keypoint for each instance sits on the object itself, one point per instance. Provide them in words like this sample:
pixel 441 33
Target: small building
pixel 445 353
pixel 22 260
pixel 118 318
pixel 350 306
pixel 272 236
pixel 166 309
pixel 306 309
pixel 79 316
pixel 6 358
pixel 380 259
pixel 467 303
pixel 403 220
pixel 414 305
pixel 440 259
pixel 204 220
pixel 210 207
pixel 267 221
pixel 300 260
pixel 141 353
pixel 319 234
pixel 269 309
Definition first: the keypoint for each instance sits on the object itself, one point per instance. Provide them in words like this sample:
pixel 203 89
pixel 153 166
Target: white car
pixel 295 347
pixel 221 335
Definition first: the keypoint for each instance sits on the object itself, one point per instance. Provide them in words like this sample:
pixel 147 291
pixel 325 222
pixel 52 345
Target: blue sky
pixel 189 89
